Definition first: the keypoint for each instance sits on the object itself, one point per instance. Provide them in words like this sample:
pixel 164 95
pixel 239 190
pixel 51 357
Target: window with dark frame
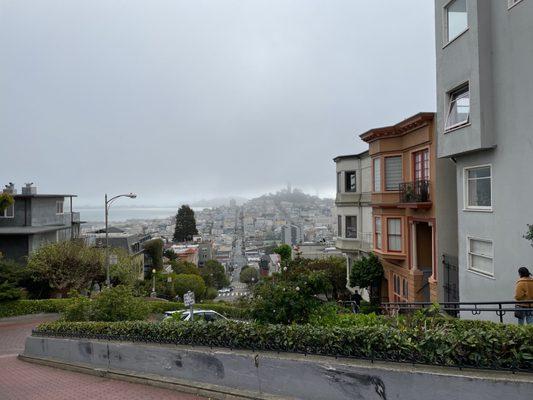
pixel 339 225
pixel 351 227
pixel 350 184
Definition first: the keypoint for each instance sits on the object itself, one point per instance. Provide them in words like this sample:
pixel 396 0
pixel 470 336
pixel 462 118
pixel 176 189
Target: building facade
pixel 412 195
pixel 291 234
pixel 353 210
pixel 34 220
pixel 484 120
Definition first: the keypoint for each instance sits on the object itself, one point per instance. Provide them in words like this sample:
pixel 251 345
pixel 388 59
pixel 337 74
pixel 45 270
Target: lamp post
pixel 153 294
pixel 107 205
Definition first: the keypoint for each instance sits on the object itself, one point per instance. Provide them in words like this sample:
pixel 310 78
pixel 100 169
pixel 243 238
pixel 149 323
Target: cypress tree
pixel 185 224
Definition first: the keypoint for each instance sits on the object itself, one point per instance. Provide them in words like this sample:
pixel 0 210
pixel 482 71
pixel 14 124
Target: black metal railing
pixel 500 308
pixel 414 192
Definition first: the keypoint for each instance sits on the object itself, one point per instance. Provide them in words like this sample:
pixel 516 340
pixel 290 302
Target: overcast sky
pixel 181 100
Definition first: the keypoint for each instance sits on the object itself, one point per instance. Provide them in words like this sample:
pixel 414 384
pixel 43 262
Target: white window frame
pixel 62 207
pixel 5 214
pixel 346 174
pixel 346 226
pixel 469 253
pixel 445 26
pixel 467 207
pixel 448 110
pixel 376 188
pixel 512 3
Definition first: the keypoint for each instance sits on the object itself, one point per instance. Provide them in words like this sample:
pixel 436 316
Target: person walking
pixel 524 292
pixel 356 302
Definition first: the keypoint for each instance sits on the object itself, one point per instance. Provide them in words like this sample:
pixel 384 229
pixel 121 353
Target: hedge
pixel 23 307
pixel 159 307
pixel 447 343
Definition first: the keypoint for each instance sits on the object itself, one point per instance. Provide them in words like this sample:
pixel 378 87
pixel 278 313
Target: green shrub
pixel 79 309
pixel 8 291
pixel 185 282
pixel 211 293
pixel 283 302
pixel 23 307
pixel 118 304
pixel 441 342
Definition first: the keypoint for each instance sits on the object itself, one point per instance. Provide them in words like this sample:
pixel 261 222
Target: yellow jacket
pixel 524 290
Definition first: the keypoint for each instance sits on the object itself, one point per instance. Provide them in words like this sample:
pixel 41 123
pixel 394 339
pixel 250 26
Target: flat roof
pixel 44 195
pixel 348 156
pixel 29 230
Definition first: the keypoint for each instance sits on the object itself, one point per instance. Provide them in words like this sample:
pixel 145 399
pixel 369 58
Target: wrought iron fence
pixel 414 192
pixel 500 308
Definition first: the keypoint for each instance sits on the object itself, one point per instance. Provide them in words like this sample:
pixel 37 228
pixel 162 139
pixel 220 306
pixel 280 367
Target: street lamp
pixel 107 205
pixel 153 294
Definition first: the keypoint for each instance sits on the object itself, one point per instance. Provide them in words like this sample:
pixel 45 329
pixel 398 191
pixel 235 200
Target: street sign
pixel 113 259
pixel 188 299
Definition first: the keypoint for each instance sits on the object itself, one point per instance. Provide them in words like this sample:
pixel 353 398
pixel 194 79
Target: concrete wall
pixel 44 211
pixel 496 55
pixel 285 375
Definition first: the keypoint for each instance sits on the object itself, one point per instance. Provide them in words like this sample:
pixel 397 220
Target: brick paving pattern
pixel 25 381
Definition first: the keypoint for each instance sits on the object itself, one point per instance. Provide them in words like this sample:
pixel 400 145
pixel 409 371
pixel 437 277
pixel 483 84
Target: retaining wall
pixel 221 373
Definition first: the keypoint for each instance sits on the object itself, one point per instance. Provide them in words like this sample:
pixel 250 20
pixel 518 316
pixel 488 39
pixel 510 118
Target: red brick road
pixel 25 381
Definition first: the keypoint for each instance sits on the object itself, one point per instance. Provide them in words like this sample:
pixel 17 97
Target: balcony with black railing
pixel 415 194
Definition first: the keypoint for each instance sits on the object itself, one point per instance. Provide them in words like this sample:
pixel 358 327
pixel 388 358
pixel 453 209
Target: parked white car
pixel 199 315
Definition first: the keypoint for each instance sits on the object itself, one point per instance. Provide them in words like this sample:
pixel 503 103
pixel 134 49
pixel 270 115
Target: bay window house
pixel 352 204
pixel 412 192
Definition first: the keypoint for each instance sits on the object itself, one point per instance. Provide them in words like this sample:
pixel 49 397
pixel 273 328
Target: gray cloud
pixel 189 99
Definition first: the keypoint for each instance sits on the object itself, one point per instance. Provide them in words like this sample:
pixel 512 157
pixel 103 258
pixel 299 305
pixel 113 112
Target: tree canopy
pixel 67 265
pixel 367 272
pixel 185 282
pixel 284 251
pixel 185 224
pixel 154 248
pixel 214 274
pixel 249 275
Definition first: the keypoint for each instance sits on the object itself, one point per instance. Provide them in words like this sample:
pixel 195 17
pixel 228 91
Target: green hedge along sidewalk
pixel 23 307
pixel 445 343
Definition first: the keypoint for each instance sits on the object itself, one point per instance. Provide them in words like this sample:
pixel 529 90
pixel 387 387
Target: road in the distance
pixel 21 380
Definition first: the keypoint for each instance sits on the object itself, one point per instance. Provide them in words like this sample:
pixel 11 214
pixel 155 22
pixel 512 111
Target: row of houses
pixel 443 198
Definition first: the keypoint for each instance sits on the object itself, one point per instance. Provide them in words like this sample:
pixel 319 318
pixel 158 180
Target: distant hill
pixel 218 202
pixel 295 196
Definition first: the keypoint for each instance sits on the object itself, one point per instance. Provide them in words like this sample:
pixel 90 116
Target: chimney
pixel 28 189
pixel 10 188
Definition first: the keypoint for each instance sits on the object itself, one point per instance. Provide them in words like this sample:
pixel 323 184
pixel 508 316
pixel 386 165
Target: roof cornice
pixel 402 128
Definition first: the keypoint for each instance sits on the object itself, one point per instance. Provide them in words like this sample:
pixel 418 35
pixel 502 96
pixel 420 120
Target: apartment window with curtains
pixel 394 234
pixel 377 174
pixel 393 172
pixel 377 232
